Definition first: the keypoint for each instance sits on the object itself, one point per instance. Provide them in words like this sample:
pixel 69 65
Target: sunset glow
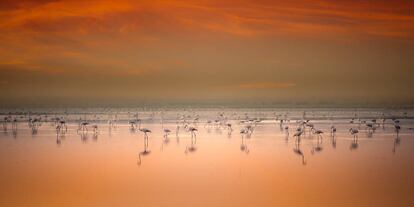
pixel 140 50
pixel 215 103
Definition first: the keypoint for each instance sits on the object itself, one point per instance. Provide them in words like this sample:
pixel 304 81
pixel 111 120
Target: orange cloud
pixel 94 33
pixel 266 85
pixel 240 18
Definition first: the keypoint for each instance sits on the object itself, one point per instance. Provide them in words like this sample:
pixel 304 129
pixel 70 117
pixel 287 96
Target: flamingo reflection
pixel 318 147
pixel 397 142
pixel 84 137
pixel 192 148
pixel 298 151
pixel 145 152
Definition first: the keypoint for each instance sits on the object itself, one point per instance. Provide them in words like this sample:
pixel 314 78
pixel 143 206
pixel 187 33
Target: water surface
pixel 215 168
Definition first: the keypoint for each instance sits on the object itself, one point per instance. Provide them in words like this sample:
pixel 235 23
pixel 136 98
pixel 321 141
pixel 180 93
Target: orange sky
pixel 298 50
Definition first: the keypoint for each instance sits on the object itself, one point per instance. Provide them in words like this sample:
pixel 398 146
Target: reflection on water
pixel 125 158
pixel 397 142
pixel 145 151
pixel 243 146
pixel 318 147
pixel 192 148
pixel 298 151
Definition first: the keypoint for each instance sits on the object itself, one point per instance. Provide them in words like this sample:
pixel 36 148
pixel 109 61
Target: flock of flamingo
pixel 190 124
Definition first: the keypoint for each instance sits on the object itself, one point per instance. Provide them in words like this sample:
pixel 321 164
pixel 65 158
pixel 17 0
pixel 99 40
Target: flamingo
pixel 369 127
pixel 14 124
pixel 354 132
pixel 133 123
pixel 243 132
pixel 192 130
pixel 287 132
pixel 83 126
pixel 354 144
pixel 246 131
pixel 166 140
pixel 243 147
pixel 192 147
pixel 397 128
pixel 177 131
pixel 318 147
pixel 145 131
pixel 34 124
pixel 333 134
pixel 14 132
pixel 249 129
pixel 58 131
pixel 5 121
pixel 281 124
pixel 62 124
pixel 145 152
pixel 383 121
pixel 229 127
pixel 318 132
pixel 333 130
pixel 298 133
pixel 95 128
pixel 166 132
pixel 208 124
pixel 309 125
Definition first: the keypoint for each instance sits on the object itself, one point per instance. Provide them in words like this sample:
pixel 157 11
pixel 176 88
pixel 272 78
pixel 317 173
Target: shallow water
pixel 109 168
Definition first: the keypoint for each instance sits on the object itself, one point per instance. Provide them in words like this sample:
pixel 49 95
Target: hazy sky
pixel 282 51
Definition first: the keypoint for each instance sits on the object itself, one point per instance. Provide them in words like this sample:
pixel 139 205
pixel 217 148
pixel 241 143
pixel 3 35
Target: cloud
pixel 266 85
pixel 199 44
pixel 241 18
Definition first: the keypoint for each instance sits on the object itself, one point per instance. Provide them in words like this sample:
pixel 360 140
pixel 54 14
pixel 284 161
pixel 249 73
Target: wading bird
pixel 333 135
pixel 333 130
pixel 83 126
pixel 397 129
pixel 95 129
pixel 166 133
pixel 243 146
pixel 287 133
pixel 145 131
pixel 298 133
pixel 354 144
pixel 193 131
